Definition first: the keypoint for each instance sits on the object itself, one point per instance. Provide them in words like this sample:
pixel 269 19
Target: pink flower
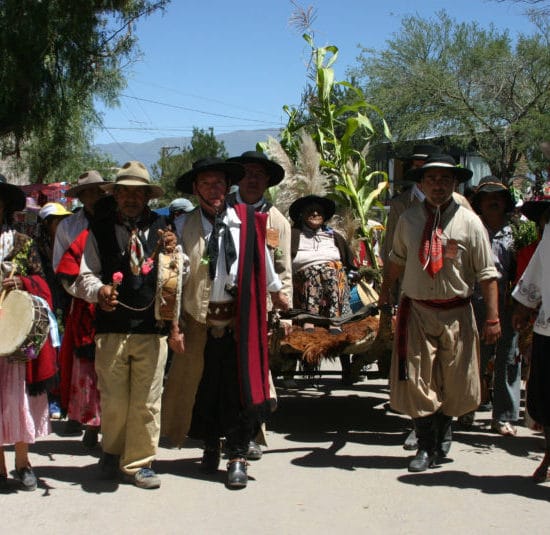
pixel 147 266
pixel 117 277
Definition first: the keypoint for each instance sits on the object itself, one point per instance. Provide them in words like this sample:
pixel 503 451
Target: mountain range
pixel 149 152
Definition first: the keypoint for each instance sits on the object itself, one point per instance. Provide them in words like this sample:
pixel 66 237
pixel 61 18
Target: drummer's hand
pixel 107 298
pixel 279 300
pixel 170 240
pixel 176 340
pixel 12 283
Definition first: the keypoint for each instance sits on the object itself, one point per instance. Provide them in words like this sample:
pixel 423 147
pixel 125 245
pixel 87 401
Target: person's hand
pixel 12 283
pixel 170 240
pixel 491 332
pixel 176 339
pixel 286 325
pixel 279 300
pixel 107 298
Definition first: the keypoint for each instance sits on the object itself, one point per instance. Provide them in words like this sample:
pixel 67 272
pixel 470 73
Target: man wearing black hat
pixel 260 173
pixel 406 198
pixel 222 377
pixel 440 249
pixel 400 203
pixel 493 202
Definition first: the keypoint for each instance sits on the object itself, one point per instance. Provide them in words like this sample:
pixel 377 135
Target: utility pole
pixel 165 152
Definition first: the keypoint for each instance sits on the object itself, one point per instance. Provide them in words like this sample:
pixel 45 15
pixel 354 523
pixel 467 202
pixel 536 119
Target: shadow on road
pixel 516 485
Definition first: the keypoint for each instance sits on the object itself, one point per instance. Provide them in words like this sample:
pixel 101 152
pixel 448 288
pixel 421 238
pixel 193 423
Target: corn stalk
pixel 334 128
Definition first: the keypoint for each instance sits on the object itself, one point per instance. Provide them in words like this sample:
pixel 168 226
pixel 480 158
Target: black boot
pixel 425 433
pixel 237 477
pixel 211 457
pixel 444 434
pixel 542 473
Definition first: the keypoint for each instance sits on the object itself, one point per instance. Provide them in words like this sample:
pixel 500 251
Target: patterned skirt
pixel 84 397
pixel 322 289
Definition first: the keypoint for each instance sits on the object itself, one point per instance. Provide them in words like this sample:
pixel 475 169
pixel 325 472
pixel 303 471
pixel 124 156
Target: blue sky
pixel 233 65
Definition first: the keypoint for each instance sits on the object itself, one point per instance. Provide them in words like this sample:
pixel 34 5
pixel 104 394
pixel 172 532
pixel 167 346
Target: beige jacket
pixel 281 254
pixel 196 292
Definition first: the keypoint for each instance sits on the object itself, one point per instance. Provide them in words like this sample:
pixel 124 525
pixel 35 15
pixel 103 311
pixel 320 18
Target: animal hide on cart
pixel 356 337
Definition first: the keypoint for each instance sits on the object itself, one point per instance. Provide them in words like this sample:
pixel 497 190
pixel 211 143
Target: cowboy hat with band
pixel 86 180
pixel 491 184
pixel 233 173
pixel 441 161
pixel 134 173
pixel 274 170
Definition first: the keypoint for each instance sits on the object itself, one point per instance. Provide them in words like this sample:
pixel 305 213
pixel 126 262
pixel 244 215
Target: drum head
pixel 16 320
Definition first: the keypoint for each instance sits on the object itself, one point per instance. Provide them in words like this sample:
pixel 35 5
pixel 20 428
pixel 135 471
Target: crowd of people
pixel 129 355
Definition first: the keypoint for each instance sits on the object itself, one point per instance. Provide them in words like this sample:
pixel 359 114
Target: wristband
pixel 492 322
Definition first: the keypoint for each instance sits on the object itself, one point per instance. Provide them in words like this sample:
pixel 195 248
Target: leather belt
pixel 220 314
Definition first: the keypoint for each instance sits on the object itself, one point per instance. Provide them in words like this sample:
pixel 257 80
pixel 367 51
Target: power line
pixel 204 98
pixel 175 106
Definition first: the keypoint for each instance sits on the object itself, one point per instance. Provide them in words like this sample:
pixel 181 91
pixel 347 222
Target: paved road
pixel 334 465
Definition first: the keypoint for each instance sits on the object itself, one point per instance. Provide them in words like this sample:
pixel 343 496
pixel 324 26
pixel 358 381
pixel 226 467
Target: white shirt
pixel 222 278
pixel 533 288
pixel 67 231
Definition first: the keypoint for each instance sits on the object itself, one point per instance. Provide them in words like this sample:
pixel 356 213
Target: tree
pixel 170 166
pixel 538 7
pixel 57 56
pixel 438 77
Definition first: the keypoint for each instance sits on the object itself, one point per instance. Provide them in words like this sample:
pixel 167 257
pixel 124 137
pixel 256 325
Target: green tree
pixel 438 77
pixel 203 144
pixel 57 56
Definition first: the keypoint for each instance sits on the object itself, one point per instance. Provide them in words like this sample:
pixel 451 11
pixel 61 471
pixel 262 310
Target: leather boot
pixel 211 458
pixel 425 433
pixel 444 434
pixel 542 473
pixel 237 477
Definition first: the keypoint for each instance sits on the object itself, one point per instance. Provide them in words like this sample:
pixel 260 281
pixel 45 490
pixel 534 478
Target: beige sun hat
pixel 86 180
pixel 134 173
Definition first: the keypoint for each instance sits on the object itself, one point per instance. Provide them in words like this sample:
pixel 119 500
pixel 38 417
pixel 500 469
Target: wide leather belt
pixel 220 314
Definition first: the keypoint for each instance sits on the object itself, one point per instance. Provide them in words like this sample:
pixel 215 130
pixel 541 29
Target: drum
pixel 362 295
pixel 173 270
pixel 24 325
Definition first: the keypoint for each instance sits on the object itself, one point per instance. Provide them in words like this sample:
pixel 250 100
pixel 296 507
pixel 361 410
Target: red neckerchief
pixel 431 246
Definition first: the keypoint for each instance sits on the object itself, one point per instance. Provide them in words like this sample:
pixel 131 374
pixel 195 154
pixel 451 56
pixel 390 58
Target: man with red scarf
pixel 223 376
pixel 440 249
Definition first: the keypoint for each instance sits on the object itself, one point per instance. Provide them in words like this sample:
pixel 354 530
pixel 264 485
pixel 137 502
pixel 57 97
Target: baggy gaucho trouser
pixel 442 361
pixel 130 370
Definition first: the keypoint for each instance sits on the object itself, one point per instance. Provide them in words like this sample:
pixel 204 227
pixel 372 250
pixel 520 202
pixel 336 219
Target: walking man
pixel 440 249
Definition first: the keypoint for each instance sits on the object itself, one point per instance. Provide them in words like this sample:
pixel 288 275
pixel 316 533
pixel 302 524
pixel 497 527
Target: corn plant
pixel 335 128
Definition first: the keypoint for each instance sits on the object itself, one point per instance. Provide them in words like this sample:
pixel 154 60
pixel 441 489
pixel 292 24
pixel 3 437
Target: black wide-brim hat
pixel 274 170
pixel 534 208
pixel 13 196
pixel 297 207
pixel 233 172
pixel 440 161
pixel 491 184
pixel 423 152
